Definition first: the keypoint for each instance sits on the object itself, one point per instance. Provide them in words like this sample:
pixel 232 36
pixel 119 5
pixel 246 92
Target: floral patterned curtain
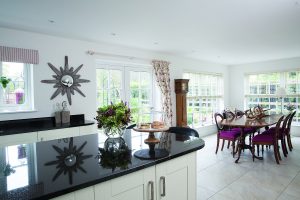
pixel 161 69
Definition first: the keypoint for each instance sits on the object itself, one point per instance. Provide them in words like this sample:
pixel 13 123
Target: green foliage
pixel 4 81
pixel 113 118
pixel 113 159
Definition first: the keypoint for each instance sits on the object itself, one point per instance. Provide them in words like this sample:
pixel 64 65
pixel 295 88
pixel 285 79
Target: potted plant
pixel 4 81
pixel 113 118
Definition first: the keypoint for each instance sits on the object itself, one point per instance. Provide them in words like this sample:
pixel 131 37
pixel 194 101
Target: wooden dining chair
pixel 281 134
pixel 247 131
pixel 269 139
pixel 229 135
pixel 288 131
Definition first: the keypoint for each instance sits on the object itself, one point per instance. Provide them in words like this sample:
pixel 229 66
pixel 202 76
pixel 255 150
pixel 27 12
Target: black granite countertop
pixel 39 124
pixel 42 172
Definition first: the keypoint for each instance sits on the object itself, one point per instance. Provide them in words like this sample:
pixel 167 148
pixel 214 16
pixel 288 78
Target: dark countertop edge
pixel 117 175
pixel 86 123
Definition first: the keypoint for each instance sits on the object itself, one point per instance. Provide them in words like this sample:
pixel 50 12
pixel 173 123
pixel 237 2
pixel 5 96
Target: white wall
pixel 53 49
pixel 238 72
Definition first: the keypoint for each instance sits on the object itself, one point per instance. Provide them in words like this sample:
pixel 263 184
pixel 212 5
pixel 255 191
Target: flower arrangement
pixel 113 118
pixel 290 107
pixel 4 81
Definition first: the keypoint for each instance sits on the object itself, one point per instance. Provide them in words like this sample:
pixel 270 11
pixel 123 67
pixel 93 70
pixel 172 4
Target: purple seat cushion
pixel 229 134
pixel 272 131
pixel 263 138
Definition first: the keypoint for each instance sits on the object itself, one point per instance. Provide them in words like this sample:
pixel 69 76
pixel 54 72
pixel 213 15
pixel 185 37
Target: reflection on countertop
pixel 48 169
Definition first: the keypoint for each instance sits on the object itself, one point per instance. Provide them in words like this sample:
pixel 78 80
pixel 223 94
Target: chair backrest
pixel 239 113
pixel 285 122
pixel 278 127
pixel 183 131
pixel 290 121
pixel 229 114
pixel 218 124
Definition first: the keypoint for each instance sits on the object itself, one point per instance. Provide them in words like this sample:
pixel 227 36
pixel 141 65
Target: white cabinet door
pixel 135 186
pixel 15 139
pixel 83 194
pixel 58 133
pixel 176 179
pixel 86 130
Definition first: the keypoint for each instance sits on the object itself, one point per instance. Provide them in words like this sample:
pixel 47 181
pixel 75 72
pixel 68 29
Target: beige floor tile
pixel 220 175
pixel 294 188
pixel 262 179
pixel 203 193
pixel 285 196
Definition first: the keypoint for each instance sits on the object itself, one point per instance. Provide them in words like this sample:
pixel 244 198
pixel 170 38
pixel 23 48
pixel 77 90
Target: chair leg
pixel 218 141
pixel 253 151
pixel 289 142
pixel 262 149
pixel 283 146
pixel 222 145
pixel 276 154
pixel 228 144
pixel 233 149
pixel 257 146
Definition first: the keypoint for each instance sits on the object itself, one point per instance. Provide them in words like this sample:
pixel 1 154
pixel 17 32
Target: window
pixel 130 84
pixel 17 95
pixel 205 97
pixel 261 89
pixel 16 159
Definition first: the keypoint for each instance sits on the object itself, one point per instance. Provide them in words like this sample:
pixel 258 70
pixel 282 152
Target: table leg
pixel 240 145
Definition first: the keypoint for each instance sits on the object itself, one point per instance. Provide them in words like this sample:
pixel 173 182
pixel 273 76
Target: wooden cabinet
pixel 16 139
pixel 58 133
pixel 181 89
pixel 176 179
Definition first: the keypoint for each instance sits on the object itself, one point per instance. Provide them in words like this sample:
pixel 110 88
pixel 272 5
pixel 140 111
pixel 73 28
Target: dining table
pixel 243 122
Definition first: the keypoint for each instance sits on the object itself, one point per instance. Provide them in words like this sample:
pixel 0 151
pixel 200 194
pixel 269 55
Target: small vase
pixel 114 132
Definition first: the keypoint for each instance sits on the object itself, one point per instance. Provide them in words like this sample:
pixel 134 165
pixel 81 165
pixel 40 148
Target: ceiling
pixel 228 32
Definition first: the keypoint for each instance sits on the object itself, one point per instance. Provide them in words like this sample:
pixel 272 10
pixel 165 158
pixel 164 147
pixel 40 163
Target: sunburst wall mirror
pixel 66 80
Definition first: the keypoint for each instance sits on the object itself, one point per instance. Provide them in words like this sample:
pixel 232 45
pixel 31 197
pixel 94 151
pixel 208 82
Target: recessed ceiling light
pixel 51 21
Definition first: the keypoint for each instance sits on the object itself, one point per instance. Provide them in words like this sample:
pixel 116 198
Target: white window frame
pixel 28 105
pixel 221 96
pixel 282 83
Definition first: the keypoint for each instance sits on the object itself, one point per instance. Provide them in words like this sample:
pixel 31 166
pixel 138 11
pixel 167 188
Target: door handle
pixel 163 180
pixel 151 185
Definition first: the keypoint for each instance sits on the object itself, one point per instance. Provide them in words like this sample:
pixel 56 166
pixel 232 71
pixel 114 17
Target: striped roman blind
pixel 19 55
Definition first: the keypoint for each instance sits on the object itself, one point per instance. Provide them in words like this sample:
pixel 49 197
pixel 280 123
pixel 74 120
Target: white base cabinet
pixel 83 194
pixel 170 180
pixel 176 179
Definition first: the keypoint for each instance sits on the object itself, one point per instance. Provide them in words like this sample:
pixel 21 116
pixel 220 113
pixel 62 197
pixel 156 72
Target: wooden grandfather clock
pixel 181 89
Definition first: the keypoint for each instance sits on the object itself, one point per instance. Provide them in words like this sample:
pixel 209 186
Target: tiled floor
pixel 220 178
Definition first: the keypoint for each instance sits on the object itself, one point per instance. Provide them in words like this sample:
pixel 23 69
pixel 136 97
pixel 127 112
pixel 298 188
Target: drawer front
pixel 15 139
pixel 58 133
pixel 86 130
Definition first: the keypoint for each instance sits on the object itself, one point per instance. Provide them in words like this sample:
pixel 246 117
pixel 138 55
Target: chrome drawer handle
pixel 163 179
pixel 151 184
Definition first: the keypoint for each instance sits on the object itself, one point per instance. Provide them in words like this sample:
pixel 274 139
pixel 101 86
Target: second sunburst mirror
pixel 66 80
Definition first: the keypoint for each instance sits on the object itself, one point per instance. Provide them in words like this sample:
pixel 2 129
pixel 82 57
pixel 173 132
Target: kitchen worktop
pixel 39 124
pixel 46 169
